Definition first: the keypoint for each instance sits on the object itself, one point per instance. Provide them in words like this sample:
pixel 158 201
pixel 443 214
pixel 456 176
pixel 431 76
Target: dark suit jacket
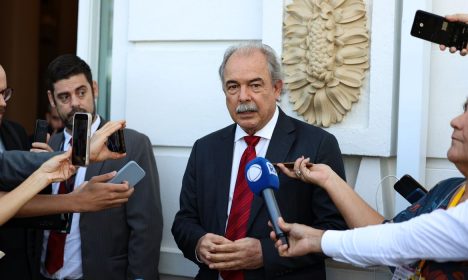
pixel 16 166
pixel 124 242
pixel 205 192
pixel 13 241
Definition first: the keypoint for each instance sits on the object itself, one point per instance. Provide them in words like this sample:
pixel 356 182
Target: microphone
pixel 262 180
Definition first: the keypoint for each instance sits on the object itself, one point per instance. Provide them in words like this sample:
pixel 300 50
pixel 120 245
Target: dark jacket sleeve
pixel 16 166
pixel 144 214
pixel 328 216
pixel 187 229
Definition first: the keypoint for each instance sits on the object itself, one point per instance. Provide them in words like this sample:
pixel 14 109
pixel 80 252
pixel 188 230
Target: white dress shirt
pixel 240 145
pixel 440 235
pixel 71 268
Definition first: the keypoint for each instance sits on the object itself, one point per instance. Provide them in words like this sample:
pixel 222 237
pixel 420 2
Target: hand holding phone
pixel 116 142
pixel 80 138
pixel 40 133
pixel 130 172
pixel 437 29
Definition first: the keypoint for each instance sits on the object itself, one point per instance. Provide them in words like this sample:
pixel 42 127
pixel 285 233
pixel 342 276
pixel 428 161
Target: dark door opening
pixel 32 34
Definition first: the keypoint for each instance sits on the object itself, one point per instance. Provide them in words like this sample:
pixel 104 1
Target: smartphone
pixel 410 189
pixel 437 29
pixel 290 165
pixel 130 172
pixel 81 135
pixel 116 142
pixel 40 133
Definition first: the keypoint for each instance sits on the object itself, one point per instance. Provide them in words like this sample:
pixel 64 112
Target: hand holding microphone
pixel 263 180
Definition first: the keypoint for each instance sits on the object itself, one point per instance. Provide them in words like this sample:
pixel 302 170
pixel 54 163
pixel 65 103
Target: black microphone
pixel 262 180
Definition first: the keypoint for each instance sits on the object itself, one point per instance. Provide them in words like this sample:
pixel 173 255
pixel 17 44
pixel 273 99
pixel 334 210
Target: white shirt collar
pixel 266 132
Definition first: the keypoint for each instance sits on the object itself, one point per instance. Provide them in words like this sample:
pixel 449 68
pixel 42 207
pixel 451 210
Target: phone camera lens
pixel 421 24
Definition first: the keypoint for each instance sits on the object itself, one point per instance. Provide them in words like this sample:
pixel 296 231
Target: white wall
pixel 166 55
pixel 165 83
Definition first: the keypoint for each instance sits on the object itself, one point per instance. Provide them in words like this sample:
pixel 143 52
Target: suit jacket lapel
pixel 56 141
pixel 223 177
pixel 278 149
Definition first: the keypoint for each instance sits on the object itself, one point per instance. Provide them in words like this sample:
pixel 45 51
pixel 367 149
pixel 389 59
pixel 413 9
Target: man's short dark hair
pixel 65 66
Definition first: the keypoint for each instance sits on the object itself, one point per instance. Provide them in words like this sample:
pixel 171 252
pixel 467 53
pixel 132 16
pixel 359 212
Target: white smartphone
pixel 81 136
pixel 130 172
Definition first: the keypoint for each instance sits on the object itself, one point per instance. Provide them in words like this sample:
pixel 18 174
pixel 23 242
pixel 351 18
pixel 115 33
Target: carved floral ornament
pixel 325 56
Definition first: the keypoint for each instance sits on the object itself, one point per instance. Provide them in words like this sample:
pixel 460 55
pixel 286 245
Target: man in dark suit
pixel 15 264
pixel 252 82
pixel 119 243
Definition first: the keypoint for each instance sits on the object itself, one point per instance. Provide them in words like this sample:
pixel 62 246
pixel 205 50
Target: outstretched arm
pixel 93 195
pixel 355 211
pixel 55 169
pixel 390 244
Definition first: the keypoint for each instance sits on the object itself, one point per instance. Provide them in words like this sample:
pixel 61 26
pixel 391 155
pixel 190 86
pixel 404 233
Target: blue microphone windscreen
pixel 260 175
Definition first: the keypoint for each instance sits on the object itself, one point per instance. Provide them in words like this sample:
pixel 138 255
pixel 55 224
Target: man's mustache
pixel 246 107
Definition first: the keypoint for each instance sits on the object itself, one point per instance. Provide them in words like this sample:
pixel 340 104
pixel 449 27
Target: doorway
pixel 32 34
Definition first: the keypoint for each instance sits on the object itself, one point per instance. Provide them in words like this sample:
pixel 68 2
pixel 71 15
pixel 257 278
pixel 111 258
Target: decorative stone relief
pixel 325 56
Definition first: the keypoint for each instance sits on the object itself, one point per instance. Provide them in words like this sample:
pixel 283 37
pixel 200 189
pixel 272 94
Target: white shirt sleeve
pixel 440 236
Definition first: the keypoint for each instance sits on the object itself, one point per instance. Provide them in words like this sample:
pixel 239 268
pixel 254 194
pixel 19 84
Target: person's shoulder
pixel 134 134
pixel 16 133
pixel 136 140
pixel 305 128
pixel 217 135
pixel 13 126
pixel 448 184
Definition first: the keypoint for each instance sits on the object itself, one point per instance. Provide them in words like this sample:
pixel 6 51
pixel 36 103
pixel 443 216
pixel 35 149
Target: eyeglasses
pixel 6 93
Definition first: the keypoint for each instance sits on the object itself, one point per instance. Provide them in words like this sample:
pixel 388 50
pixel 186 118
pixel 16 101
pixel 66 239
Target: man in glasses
pixel 12 240
pixel 12 135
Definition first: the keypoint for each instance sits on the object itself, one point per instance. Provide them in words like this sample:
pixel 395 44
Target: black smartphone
pixel 410 189
pixel 437 29
pixel 80 138
pixel 116 142
pixel 40 133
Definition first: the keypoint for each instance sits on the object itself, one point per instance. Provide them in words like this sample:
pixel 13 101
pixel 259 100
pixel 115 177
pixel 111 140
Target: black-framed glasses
pixel 6 93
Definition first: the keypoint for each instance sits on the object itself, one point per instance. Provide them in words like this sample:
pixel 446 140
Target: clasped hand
pixel 221 253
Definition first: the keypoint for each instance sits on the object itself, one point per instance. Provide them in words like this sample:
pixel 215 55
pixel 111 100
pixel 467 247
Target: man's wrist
pixel 72 200
pixel 320 241
pixel 196 256
pixel 196 250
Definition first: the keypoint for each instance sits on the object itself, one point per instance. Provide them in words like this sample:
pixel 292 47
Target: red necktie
pixel 56 243
pixel 241 204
